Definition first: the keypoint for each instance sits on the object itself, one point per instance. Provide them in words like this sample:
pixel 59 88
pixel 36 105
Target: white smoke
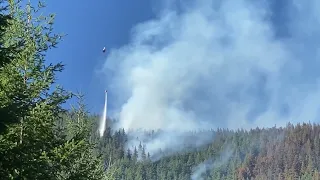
pixel 211 64
pixel 209 164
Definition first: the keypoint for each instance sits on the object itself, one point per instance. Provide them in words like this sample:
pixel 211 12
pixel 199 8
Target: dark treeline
pixel 274 153
pixel 39 139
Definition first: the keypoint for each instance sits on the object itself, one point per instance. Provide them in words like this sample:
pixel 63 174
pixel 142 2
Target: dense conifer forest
pixel 273 153
pixel 39 139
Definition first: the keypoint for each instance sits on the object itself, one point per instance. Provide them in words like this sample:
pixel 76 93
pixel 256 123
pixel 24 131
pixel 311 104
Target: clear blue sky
pixel 251 62
pixel 90 27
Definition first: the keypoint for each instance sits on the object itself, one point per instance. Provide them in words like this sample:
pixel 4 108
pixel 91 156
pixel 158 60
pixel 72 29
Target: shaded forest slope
pixel 273 153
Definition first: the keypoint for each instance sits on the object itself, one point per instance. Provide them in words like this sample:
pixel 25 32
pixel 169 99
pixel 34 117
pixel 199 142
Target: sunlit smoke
pixel 102 125
pixel 208 63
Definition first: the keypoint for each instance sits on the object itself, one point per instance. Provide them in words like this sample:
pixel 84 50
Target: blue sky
pixel 189 65
pixel 90 27
pixel 193 64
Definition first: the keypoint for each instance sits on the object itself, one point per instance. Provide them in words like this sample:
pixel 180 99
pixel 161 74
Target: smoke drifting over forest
pixel 210 164
pixel 209 64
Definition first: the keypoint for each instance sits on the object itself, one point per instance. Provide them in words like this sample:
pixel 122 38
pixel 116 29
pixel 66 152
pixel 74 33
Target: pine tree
pixel 28 110
pixel 82 162
pixel 32 145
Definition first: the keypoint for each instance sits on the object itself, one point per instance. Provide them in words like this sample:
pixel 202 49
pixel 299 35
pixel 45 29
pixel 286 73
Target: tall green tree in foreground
pixel 76 128
pixel 33 144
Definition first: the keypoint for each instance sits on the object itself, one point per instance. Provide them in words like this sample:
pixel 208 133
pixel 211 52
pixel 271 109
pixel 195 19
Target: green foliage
pixel 38 138
pixel 41 140
pixel 292 152
pixel 76 157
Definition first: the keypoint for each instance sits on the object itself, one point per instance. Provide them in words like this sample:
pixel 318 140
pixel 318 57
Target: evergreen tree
pixel 33 144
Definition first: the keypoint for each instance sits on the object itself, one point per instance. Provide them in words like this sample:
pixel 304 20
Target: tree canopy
pixel 39 139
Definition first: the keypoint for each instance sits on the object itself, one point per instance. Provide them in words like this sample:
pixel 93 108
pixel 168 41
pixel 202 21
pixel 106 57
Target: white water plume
pixel 102 125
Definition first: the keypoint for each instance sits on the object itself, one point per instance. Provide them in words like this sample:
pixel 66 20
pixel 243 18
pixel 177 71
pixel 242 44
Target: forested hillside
pixel 292 152
pixel 41 140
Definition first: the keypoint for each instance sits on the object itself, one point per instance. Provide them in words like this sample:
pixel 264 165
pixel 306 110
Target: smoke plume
pixel 209 164
pixel 207 63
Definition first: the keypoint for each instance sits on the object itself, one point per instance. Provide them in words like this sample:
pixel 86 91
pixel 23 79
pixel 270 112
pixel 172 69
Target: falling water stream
pixel 103 119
